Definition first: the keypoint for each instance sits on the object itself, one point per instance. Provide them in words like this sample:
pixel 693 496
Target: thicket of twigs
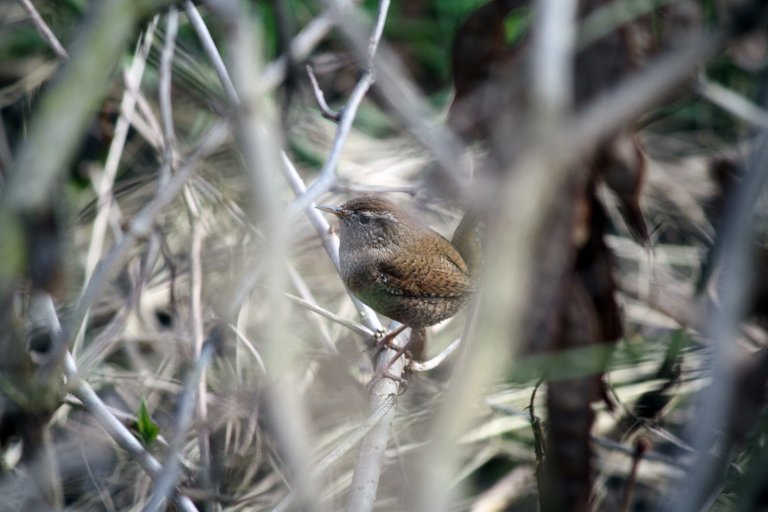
pixel 173 331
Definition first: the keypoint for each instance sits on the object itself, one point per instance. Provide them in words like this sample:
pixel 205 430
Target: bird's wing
pixel 438 277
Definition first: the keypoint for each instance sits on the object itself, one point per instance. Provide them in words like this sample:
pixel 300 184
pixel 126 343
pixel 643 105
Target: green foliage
pixel 517 23
pixel 20 40
pixel 422 32
pixel 146 426
pixel 746 476
pixel 23 41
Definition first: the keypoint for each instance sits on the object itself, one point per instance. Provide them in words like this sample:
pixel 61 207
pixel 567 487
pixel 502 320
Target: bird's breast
pixel 357 269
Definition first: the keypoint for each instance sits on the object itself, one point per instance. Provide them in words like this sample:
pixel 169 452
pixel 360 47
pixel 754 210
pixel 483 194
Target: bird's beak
pixel 332 209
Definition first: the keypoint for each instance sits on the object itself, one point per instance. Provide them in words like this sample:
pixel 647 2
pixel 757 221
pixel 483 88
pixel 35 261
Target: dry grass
pixel 261 401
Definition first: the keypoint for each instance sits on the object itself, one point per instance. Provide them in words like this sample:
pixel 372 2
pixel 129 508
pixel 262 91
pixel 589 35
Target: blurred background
pixel 173 330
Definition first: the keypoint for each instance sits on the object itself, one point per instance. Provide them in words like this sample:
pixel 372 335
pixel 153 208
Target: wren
pixel 398 266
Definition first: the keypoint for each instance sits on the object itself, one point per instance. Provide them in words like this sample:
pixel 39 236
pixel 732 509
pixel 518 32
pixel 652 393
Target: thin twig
pixel 378 31
pixel 329 240
pixel 641 447
pixel 732 102
pixel 517 199
pixel 350 441
pixel 164 95
pixel 407 103
pixel 196 316
pixel 107 178
pixel 256 129
pixel 165 481
pixel 368 465
pixel 327 176
pixel 145 121
pixel 103 344
pixel 325 110
pixel 209 46
pixel 355 327
pixel 138 229
pixel 63 111
pixel 142 123
pixel 251 348
pixel 434 362
pixel 608 17
pixel 114 427
pixel 309 299
pixel 554 36
pixel 301 46
pixel 716 400
pixel 44 30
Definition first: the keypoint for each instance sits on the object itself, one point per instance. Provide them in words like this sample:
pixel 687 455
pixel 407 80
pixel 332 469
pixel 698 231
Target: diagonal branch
pixel 91 401
pixel 44 29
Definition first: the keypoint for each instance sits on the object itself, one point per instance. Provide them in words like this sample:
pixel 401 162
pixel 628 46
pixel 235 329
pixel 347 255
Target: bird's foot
pixel 384 339
pixel 384 371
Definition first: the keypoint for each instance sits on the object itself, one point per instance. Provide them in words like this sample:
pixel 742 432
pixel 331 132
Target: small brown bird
pixel 398 266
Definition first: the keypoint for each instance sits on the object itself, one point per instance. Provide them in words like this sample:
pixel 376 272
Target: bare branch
pixel 196 315
pixel 325 110
pixel 164 95
pixel 104 416
pixel 256 131
pixel 361 330
pixel 378 31
pixel 273 74
pixel 166 479
pixel 309 300
pixel 552 59
pixel 717 399
pixel 327 176
pixel 138 229
pixel 106 180
pixel 732 102
pixel 370 455
pixel 210 49
pixel 434 362
pixel 301 45
pixel 407 103
pixel 329 240
pixel 63 112
pixel 606 18
pixel 349 442
pixel 328 173
pixel 251 348
pixel 44 29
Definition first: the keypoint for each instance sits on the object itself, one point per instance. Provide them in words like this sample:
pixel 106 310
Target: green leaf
pixel 148 429
pixel 517 23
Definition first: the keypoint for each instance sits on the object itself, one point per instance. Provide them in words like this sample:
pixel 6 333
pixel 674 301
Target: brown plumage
pixel 398 266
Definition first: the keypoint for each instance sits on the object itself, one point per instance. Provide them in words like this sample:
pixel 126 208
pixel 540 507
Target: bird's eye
pixel 365 219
